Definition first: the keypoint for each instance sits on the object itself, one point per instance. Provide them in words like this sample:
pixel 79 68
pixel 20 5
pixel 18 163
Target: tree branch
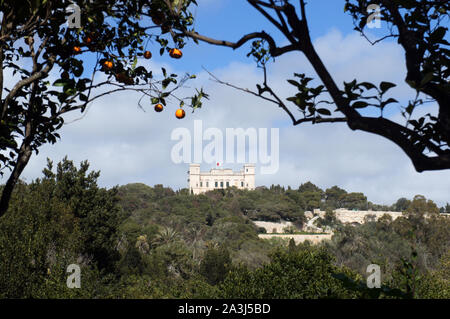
pixel 317 120
pixel 277 9
pixel 22 83
pixel 274 50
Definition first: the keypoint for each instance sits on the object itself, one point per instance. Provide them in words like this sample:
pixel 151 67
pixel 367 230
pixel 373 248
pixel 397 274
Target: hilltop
pixel 137 241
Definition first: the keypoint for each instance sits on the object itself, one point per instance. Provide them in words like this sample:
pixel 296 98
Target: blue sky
pixel 230 19
pixel 129 145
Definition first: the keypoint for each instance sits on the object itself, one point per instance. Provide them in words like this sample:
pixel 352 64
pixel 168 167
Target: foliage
pixel 419 27
pixel 215 265
pixel 300 273
pixel 391 244
pixel 96 58
pixel 61 219
pixel 328 220
pixel 137 241
pixel 436 283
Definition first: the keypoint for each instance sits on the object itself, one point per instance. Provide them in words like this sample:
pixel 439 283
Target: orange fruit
pixel 175 53
pixel 158 107
pixel 180 113
pixel 76 49
pixel 147 54
pixel 108 65
pixel 87 40
pixel 65 75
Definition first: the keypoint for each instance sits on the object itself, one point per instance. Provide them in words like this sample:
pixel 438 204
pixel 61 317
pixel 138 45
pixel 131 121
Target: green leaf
pixel 324 111
pixel 165 83
pixel 294 83
pixel 60 82
pixel 385 86
pixel 388 101
pixel 427 78
pixel 134 63
pixel 360 104
pixel 438 34
pixel 296 100
pixel 83 97
pixel 70 91
pixel 78 71
pixel 367 85
pixel 409 109
pixel 411 83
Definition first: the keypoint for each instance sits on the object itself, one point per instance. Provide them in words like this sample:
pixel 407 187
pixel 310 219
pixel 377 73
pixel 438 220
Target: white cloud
pixel 129 145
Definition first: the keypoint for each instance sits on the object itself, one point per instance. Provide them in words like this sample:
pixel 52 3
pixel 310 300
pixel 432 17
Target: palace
pixel 200 182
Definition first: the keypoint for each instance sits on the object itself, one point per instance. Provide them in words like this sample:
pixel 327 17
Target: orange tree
pixel 97 57
pixel 418 26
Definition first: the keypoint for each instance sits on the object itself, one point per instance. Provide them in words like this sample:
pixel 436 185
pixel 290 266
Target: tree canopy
pixel 421 31
pixel 57 68
pixel 51 67
pixel 137 241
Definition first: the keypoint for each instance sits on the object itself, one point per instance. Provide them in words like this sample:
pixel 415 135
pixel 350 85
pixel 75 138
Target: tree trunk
pixel 22 161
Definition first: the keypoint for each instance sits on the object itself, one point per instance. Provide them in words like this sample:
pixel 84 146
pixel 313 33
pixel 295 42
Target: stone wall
pixel 347 216
pixel 270 226
pixel 315 239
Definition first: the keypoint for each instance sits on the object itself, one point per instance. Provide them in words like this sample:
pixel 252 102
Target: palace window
pixel 242 184
pixel 228 184
pixel 216 184
pixel 221 184
pixel 201 184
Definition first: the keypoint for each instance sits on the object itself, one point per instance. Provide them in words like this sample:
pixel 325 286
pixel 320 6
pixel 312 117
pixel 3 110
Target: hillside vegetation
pixel 137 241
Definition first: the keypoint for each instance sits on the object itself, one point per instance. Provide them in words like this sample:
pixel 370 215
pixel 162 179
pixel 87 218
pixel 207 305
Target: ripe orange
pixel 158 107
pixel 87 40
pixel 147 54
pixel 76 49
pixel 65 75
pixel 180 113
pixel 108 65
pixel 175 53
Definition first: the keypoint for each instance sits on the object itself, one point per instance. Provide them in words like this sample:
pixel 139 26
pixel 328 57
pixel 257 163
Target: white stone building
pixel 219 178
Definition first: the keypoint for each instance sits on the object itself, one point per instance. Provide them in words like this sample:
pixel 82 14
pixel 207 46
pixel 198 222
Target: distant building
pixel 220 178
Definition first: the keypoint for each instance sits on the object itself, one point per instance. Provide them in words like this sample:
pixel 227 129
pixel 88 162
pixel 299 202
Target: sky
pixel 130 145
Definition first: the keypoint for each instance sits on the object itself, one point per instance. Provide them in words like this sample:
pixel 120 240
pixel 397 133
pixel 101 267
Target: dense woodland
pixel 137 241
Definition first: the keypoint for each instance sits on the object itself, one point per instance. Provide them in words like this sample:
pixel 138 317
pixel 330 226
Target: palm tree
pixel 166 235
